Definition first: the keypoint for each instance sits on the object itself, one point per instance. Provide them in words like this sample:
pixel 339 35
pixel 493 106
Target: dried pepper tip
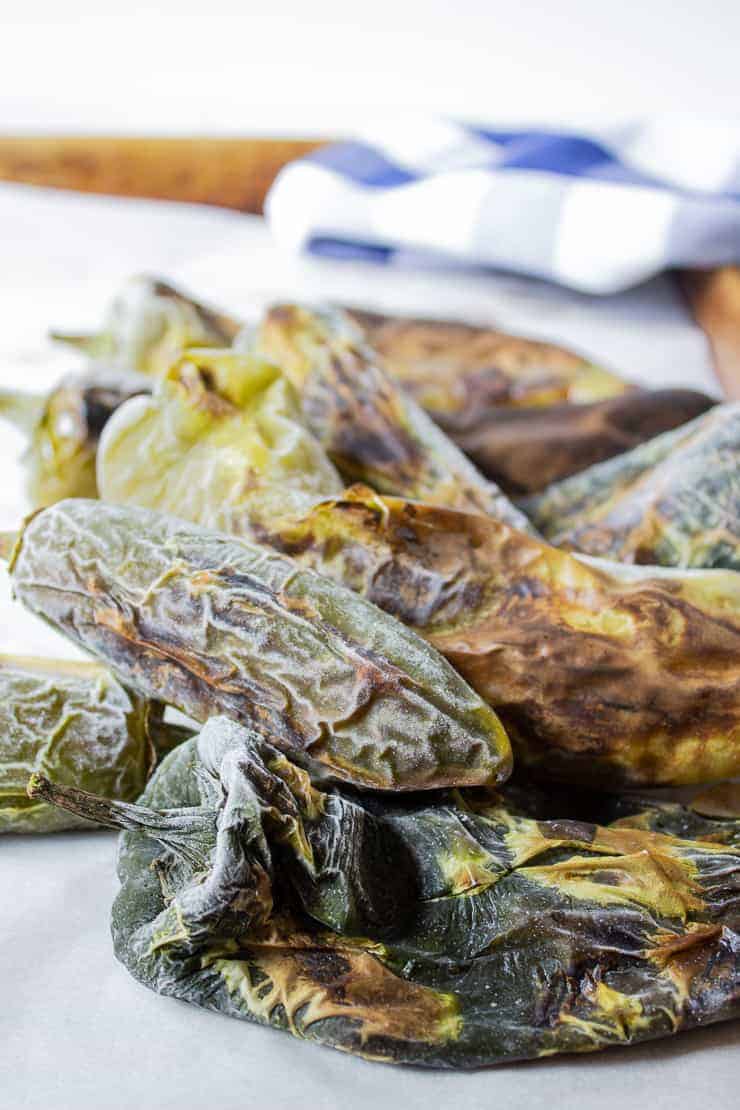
pixel 22 410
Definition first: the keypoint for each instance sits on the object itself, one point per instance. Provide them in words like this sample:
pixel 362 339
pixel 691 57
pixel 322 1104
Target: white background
pixel 75 1030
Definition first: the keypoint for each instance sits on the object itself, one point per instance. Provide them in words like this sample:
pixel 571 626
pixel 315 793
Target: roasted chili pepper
pixel 456 370
pixel 220 442
pixel 674 501
pixel 74 721
pixel 527 413
pixel 600 672
pixel 524 450
pixel 372 431
pixel 457 934
pixel 148 326
pixel 596 678
pixel 63 430
pixel 209 623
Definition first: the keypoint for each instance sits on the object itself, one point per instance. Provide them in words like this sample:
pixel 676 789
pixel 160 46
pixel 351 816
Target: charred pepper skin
pixel 74 721
pixel 210 623
pixel 527 413
pixel 673 501
pixel 390 929
pixel 524 450
pixel 595 678
pixel 602 673
pixel 372 431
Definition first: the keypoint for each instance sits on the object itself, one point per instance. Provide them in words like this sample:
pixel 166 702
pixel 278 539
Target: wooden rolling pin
pixel 228 172
pixel 237 173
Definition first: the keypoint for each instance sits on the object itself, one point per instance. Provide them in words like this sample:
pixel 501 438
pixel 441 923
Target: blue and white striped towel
pixel 596 211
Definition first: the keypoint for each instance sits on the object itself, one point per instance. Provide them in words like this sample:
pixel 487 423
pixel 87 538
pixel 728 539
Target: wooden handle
pixel 714 296
pixel 228 172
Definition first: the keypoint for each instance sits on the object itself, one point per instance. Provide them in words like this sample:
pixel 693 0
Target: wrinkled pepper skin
pixel 220 441
pixel 524 450
pixel 601 673
pixel 451 935
pixel 674 501
pixel 149 324
pixel 370 428
pixel 456 370
pixel 527 413
pixel 64 429
pixel 209 623
pixel 73 721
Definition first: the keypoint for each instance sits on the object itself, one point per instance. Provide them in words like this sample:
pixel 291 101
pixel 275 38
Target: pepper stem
pixel 103 811
pixel 22 410
pixel 94 344
pixel 178 829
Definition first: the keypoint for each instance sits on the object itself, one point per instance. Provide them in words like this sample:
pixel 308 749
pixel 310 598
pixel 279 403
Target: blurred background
pixel 325 66
pixel 329 69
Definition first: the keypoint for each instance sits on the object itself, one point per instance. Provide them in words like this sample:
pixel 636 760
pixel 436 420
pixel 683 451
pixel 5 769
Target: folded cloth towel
pixel 596 211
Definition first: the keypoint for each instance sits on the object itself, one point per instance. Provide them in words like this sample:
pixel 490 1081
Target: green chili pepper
pixel 220 442
pixel 63 430
pixel 596 678
pixel 76 722
pixel 674 501
pixel 372 431
pixel 457 934
pixel 209 623
pixel 148 326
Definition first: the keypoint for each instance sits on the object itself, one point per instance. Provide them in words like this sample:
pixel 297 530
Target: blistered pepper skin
pixel 210 623
pixel 457 934
pixel 601 673
pixel 370 428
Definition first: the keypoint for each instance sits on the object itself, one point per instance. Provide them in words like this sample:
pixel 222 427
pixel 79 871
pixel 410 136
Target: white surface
pixel 75 1030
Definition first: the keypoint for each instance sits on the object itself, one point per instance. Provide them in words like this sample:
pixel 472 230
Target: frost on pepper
pixel 428 934
pixel 210 623
pixel 76 723
pixel 673 501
